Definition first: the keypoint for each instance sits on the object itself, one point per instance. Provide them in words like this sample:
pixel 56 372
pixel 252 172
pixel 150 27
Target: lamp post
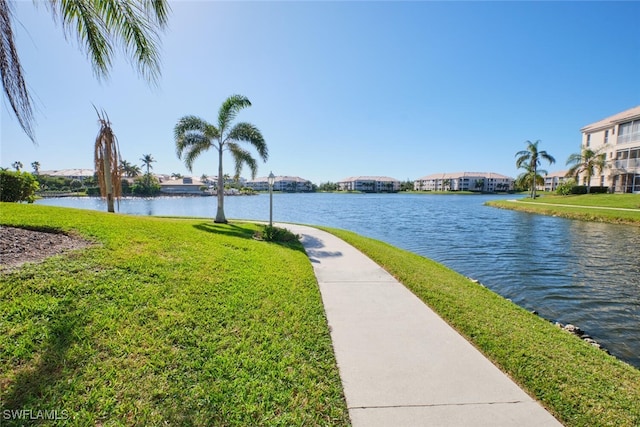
pixel 271 179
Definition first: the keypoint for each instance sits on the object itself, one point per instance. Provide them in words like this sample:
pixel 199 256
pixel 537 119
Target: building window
pixel 588 140
pixel 606 136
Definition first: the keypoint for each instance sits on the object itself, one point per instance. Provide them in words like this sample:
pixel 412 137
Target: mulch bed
pixel 19 245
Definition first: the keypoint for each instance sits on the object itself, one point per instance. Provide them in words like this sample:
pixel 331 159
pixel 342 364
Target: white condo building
pixel 291 184
pixel 618 137
pixel 464 181
pixel 553 180
pixel 370 184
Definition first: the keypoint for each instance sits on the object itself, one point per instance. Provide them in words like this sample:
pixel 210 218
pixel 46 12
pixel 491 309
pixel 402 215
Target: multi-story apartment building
pixel 552 180
pixel 618 137
pixel 292 184
pixel 464 181
pixel 370 184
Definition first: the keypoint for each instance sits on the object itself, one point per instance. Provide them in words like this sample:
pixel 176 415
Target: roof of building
pixel 279 179
pixel 180 181
pixel 68 172
pixel 369 178
pixel 457 175
pixel 559 174
pixel 632 113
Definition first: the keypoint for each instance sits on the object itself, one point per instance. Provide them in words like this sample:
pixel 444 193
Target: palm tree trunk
pixel 107 179
pixel 533 183
pixel 220 193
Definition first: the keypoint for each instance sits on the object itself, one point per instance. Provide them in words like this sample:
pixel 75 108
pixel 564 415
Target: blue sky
pixel 403 89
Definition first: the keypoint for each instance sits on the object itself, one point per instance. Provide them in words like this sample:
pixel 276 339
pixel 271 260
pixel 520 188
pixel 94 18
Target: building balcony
pixel 627 164
pixel 631 137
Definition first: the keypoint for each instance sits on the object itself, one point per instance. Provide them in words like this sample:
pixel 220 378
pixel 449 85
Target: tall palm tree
pixel 146 160
pixel 36 167
pixel 588 162
pixel 530 159
pixel 194 136
pixel 17 165
pixel 98 25
pixel 106 160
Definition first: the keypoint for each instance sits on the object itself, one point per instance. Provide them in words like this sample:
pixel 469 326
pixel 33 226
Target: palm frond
pixel 100 24
pixel 13 81
pixel 193 135
pixel 81 19
pixel 229 109
pixel 548 157
pixel 249 133
pixel 107 155
pixel 241 157
pixel 194 146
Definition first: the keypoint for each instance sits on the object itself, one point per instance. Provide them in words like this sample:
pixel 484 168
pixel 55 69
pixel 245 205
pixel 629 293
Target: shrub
pixel 598 190
pixel 17 186
pixel 276 234
pixel 579 189
pixel 566 187
pixel 93 191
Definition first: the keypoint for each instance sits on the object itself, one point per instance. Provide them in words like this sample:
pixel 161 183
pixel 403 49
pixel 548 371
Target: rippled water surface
pixel 583 273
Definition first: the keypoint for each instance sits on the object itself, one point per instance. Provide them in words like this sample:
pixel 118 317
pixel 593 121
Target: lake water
pixel 569 271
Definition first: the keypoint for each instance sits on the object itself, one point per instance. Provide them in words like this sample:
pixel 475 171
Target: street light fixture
pixel 271 179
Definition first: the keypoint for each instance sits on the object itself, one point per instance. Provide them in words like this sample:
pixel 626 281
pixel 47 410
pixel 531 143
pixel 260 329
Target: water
pixel 583 273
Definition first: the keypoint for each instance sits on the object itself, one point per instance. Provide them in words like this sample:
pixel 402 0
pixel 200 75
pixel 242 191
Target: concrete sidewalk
pixel 401 364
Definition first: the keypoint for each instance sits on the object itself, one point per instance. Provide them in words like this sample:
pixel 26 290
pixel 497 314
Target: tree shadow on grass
pixel 225 229
pixel 38 386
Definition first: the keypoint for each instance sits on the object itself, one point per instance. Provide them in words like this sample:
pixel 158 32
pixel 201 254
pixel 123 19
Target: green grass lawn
pixel 165 322
pixel 592 212
pixel 579 384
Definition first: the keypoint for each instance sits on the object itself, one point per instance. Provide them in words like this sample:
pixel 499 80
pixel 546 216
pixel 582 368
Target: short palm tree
pixel 193 136
pixel 17 165
pixel 106 161
pixel 588 162
pixel 530 160
pixel 129 170
pixel 527 179
pixel 36 167
pixel 98 26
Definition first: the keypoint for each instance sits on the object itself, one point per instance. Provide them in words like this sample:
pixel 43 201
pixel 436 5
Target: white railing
pixel 630 137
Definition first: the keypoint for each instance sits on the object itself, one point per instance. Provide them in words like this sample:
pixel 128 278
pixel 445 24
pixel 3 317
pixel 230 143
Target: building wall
pixel 291 184
pixel 370 184
pixel 618 137
pixel 464 181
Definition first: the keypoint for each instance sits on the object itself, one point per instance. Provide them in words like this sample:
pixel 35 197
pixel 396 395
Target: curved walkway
pixel 400 364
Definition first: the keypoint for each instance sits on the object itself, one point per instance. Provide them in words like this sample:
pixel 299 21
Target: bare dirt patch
pixel 19 245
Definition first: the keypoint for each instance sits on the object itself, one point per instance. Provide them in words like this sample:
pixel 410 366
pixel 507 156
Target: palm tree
pixel 194 136
pixel 106 160
pixel 146 160
pixel 17 165
pixel 526 180
pixel 128 169
pixel 36 167
pixel 587 162
pixel 529 159
pixel 176 175
pixel 98 25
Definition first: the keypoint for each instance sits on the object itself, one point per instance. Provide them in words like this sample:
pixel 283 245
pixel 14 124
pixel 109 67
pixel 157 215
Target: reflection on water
pixel 583 273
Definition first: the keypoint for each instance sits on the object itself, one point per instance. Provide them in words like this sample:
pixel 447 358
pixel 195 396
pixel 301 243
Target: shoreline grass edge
pixel 596 208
